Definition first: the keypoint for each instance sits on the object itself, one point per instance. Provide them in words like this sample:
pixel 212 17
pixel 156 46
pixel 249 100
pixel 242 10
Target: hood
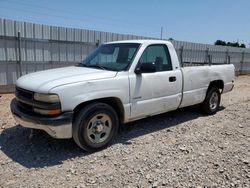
pixel 44 81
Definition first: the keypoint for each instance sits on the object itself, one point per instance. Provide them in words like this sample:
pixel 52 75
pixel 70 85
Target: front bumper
pixel 57 127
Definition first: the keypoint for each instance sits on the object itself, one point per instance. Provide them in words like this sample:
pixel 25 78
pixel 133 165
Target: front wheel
pixel 212 101
pixel 95 126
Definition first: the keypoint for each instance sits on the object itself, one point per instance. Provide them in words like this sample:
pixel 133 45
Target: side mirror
pixel 145 68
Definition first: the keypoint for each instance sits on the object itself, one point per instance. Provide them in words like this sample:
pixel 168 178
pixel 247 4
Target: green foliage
pixel 243 46
pixel 232 44
pixel 220 43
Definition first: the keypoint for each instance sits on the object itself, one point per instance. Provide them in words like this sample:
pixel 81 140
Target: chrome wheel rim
pixel 99 128
pixel 214 99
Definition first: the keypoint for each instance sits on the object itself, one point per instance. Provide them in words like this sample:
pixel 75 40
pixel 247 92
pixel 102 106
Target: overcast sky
pixel 202 21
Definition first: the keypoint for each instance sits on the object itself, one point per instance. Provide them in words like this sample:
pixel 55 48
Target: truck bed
pixel 197 78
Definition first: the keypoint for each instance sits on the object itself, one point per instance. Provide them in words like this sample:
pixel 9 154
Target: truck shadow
pixel 159 122
pixel 41 150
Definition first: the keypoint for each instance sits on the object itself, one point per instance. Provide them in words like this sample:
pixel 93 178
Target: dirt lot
pixel 178 149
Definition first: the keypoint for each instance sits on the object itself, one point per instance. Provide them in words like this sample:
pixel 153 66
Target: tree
pixel 220 43
pixel 232 44
pixel 243 46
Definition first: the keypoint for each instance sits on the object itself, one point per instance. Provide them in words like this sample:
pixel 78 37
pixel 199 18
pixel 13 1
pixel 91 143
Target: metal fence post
pixel 210 59
pixel 207 56
pixel 97 43
pixel 191 59
pixel 20 54
pixel 241 63
pixel 227 57
pixel 181 55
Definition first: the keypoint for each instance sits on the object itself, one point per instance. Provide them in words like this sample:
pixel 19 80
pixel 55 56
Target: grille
pixel 24 99
pixel 24 106
pixel 24 94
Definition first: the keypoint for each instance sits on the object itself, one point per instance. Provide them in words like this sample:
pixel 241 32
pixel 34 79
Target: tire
pixel 211 103
pixel 95 126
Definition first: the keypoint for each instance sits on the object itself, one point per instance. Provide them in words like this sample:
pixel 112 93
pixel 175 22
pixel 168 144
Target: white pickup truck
pixel 118 83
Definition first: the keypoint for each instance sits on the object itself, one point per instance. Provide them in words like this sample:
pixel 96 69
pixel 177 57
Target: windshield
pixel 114 57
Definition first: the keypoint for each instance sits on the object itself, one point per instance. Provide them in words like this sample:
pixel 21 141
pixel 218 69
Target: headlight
pixel 50 98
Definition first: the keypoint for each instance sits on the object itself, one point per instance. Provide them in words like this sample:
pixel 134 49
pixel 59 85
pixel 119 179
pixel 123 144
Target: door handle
pixel 172 79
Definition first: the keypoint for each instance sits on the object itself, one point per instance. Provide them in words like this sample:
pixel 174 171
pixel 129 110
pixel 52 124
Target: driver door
pixel 155 92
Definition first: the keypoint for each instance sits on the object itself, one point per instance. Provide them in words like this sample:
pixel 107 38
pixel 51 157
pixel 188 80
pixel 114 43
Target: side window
pixel 158 54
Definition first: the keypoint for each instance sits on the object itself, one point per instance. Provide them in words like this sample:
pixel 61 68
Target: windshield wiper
pixel 96 66
pixel 81 65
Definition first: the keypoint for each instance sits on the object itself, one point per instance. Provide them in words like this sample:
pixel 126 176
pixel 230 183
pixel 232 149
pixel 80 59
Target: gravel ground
pixel 178 149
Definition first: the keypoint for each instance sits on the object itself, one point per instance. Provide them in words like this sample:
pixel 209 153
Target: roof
pixel 149 41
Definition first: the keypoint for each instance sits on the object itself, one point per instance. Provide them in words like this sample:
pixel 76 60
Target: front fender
pixel 74 94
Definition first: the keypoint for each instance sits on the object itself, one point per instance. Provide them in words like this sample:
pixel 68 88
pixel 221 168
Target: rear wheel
pixel 212 101
pixel 95 126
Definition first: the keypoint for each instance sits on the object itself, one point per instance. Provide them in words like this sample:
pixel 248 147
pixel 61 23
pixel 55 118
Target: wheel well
pixel 112 101
pixel 216 83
